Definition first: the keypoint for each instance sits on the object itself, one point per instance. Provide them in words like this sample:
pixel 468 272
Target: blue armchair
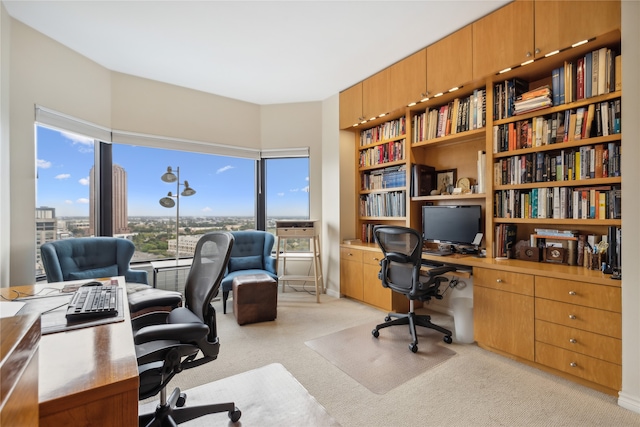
pixel 251 254
pixel 95 257
pixel 90 258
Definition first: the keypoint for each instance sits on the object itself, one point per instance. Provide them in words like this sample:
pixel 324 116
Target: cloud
pixel 306 179
pixel 280 194
pixel 305 189
pixel 63 176
pixel 207 209
pixel 68 202
pixel 85 144
pixel 84 181
pixel 44 164
pixel 294 190
pixel 224 169
pixel 83 201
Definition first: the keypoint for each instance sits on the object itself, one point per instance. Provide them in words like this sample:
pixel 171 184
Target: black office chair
pixel 400 271
pixel 171 341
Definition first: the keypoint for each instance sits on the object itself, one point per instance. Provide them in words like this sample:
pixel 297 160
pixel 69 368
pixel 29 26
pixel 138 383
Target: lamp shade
pixel 168 201
pixel 188 191
pixel 169 176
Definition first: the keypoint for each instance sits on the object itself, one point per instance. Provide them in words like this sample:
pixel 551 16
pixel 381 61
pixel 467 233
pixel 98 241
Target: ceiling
pixel 263 52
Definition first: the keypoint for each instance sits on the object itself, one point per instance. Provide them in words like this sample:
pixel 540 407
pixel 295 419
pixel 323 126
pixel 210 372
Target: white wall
pixel 5 181
pixel 630 395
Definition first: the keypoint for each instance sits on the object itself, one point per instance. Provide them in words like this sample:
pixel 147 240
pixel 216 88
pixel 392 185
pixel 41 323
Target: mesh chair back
pixel 402 250
pixel 207 270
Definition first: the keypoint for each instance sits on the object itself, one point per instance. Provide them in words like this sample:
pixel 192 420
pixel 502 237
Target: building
pixel 46 231
pixel 120 215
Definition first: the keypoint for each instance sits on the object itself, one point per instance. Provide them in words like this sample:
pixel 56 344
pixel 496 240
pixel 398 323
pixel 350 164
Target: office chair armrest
pixel 437 271
pixel 183 332
pixel 148 319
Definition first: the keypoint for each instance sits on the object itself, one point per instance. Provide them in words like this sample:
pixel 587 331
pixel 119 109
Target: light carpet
pixel 267 396
pixel 382 364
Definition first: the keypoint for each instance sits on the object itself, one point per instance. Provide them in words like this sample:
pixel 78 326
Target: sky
pixel 224 185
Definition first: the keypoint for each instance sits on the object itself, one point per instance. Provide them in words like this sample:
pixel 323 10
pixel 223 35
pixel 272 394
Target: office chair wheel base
pixel 375 333
pixel 235 415
pixel 181 400
pixel 413 347
pixel 447 339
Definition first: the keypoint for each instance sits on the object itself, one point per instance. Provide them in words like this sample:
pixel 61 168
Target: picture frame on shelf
pixel 446 180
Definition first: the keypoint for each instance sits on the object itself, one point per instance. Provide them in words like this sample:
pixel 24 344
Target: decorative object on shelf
pixel 526 252
pixel 555 254
pixel 445 180
pixel 464 184
pixel 169 202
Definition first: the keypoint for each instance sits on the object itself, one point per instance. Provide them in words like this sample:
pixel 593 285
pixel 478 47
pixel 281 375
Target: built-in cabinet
pixel 359 270
pixel 565 319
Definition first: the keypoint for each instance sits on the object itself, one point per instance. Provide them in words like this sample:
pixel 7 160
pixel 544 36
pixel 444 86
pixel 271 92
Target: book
pixel 602 73
pixel 422 180
pixel 618 73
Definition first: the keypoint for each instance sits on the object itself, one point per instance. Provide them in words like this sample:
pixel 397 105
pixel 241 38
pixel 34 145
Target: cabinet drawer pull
pixel 349 253
pixel 376 259
pixel 572 292
pixel 573 364
pixel 499 280
pixel 572 340
pixel 537 51
pixel 572 316
pixel 528 54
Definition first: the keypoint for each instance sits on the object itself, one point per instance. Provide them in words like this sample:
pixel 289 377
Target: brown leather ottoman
pixel 255 298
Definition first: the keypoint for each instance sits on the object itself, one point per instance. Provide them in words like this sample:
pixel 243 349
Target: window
pixel 224 198
pixel 64 164
pixel 287 195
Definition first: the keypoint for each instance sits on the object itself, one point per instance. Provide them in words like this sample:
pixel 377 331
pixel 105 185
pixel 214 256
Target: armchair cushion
pixel 245 263
pixel 94 273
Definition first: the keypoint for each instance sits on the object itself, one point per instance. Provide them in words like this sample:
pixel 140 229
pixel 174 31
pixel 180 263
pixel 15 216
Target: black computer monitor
pixel 456 225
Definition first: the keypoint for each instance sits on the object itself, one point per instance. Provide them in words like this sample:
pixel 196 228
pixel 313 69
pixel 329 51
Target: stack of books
pixel 532 100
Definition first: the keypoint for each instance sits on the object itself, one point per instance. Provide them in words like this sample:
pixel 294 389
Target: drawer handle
pixel 499 280
pixel 349 253
pixel 572 292
pixel 572 340
pixel 376 259
pixel 572 316
pixel 573 364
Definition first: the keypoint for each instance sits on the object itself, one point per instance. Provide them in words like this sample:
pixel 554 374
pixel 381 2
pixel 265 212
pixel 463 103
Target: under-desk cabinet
pixel 573 328
pixel 359 279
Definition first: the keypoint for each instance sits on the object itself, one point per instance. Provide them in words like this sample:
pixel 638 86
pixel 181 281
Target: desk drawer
pixel 372 257
pixel 503 280
pixel 575 316
pixel 295 232
pixel 351 254
pixel 594 370
pixel 583 342
pixel 580 293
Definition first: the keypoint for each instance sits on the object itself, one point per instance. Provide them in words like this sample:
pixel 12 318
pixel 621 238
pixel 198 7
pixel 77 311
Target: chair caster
pixel 181 400
pixel 375 333
pixel 447 339
pixel 387 319
pixel 235 415
pixel 413 347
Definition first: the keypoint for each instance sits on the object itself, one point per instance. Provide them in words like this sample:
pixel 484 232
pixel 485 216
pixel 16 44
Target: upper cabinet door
pixel 503 38
pixel 449 61
pixel 408 80
pixel 375 95
pixel 559 24
pixel 351 106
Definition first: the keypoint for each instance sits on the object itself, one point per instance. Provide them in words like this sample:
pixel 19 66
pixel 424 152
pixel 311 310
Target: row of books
pixel 366 233
pixel 596 73
pixel 392 204
pixel 586 162
pixel 384 131
pixel 598 119
pixel 505 240
pixel 390 152
pixel 459 115
pixel 504 96
pixel 598 202
pixel 379 179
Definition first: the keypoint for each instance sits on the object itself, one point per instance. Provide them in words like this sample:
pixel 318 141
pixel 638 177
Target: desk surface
pixel 89 374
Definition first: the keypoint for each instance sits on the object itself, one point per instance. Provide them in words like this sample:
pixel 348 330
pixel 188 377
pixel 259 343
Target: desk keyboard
pixel 437 253
pixel 90 302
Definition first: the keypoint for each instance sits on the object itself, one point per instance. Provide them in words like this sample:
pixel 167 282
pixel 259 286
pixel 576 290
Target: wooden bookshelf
pixel 525 31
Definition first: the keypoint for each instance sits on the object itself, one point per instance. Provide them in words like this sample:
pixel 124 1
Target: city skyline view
pixel 225 186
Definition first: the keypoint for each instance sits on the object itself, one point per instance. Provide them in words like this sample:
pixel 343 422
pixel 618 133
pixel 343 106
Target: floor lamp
pixel 169 202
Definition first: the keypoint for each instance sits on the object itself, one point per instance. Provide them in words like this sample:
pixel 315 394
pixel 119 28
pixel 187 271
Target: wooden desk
pixel 87 376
